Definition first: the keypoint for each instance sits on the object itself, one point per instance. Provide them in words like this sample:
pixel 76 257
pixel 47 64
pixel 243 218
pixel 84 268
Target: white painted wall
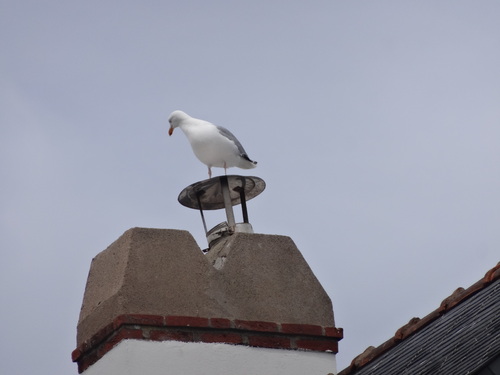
pixel 133 357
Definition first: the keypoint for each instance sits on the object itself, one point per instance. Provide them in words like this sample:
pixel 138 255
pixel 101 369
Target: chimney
pixel 155 304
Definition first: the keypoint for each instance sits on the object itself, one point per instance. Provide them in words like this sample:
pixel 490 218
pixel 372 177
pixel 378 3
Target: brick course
pixel 199 329
pixel 186 321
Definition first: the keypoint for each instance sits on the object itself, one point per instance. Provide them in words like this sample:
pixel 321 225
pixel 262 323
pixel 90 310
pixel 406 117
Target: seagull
pixel 213 145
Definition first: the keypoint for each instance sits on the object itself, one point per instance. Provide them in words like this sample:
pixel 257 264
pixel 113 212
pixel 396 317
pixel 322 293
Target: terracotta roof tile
pixel 415 325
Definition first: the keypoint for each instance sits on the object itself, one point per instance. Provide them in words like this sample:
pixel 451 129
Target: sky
pixel 376 126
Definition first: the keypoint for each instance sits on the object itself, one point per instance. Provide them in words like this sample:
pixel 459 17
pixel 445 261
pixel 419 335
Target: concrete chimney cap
pixel 209 192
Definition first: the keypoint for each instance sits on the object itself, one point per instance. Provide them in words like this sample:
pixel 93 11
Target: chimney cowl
pixel 223 192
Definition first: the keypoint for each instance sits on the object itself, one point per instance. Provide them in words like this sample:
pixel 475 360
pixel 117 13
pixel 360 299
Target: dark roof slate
pixel 460 337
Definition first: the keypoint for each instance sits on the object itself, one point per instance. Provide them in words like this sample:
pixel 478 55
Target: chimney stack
pixel 154 304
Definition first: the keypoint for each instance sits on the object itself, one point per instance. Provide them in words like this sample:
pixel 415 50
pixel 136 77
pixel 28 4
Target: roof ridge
pixel 416 324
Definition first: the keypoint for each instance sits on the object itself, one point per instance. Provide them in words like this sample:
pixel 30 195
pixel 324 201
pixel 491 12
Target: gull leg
pixel 225 169
pixel 209 172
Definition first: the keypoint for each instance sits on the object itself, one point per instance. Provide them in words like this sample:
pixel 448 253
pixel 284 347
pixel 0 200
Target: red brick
pixel 83 350
pixel 171 336
pixel 220 323
pixel 334 332
pixel 139 319
pixel 91 357
pixel 228 338
pixel 121 334
pixel 256 326
pixel 100 336
pixel 302 329
pixel 186 321
pixel 277 342
pixel 87 361
pixel 317 345
pixel 85 347
pixel 76 354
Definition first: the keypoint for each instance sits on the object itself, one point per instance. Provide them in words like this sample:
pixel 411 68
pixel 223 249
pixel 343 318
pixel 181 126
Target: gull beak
pixel 170 131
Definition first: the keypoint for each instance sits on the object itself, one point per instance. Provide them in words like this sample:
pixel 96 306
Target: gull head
pixel 175 119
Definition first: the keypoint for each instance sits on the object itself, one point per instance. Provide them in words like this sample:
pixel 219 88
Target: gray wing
pixel 226 133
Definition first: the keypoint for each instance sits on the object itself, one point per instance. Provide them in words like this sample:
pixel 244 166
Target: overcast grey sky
pixel 376 125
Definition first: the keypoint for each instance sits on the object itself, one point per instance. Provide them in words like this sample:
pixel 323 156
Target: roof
pixel 462 336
